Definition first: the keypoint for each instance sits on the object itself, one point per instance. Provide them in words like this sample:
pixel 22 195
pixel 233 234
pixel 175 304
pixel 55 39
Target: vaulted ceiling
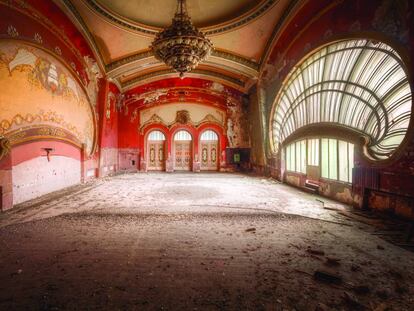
pixel 121 32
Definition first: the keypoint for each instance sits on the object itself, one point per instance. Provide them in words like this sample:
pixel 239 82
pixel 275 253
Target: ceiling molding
pixel 77 19
pixel 167 73
pixel 287 14
pixel 112 67
pixel 129 59
pixel 236 58
pixel 209 31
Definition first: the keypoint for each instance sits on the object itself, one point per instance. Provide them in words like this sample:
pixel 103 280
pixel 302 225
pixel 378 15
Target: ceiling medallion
pixel 181 46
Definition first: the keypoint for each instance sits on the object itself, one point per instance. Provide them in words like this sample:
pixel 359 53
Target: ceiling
pixel 159 13
pixel 121 32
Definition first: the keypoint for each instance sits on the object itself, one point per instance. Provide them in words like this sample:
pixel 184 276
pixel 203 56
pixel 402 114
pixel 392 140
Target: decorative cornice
pixel 42 132
pixel 215 53
pixel 129 59
pixel 85 30
pixel 155 119
pixel 152 31
pixel 236 58
pixel 150 75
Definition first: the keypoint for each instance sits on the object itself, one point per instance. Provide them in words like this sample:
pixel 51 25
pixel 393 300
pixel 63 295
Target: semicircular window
pixel 358 84
pixel 156 136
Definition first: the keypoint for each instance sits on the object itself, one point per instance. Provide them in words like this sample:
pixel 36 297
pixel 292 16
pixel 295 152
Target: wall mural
pixel 39 92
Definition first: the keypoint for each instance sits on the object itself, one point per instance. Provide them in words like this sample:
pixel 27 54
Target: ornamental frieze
pixel 182 118
pixel 36 133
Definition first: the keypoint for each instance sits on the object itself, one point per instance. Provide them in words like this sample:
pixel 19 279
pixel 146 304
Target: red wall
pixel 33 150
pixel 108 126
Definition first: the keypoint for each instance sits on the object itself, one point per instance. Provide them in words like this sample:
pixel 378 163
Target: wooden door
pixel 156 156
pixel 182 155
pixel 209 153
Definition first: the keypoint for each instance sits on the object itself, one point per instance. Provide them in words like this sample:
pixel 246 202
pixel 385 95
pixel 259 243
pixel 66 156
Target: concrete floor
pixel 195 242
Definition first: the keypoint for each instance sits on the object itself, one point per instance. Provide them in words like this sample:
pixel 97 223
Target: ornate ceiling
pixel 158 14
pixel 121 31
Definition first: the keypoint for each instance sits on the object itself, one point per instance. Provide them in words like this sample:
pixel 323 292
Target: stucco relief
pixel 196 113
pixel 237 127
pixel 37 90
pixel 94 74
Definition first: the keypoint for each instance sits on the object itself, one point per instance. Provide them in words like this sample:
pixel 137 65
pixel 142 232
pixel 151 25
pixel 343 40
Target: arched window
pixel 156 136
pixel 209 135
pixel 358 84
pixel 182 135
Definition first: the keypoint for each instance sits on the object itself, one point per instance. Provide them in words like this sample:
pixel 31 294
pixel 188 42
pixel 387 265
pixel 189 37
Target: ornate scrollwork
pixel 4 147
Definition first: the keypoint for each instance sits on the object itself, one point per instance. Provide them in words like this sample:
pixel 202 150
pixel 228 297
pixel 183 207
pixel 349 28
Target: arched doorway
pixel 156 151
pixel 209 150
pixel 183 151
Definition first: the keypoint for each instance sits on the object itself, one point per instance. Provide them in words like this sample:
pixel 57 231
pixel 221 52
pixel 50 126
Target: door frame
pixel 147 149
pixel 191 147
pixel 218 148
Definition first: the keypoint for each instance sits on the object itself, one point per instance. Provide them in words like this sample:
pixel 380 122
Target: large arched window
pixel 358 84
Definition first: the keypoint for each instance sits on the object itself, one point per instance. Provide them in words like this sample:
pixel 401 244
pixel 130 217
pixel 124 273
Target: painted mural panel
pixel 38 91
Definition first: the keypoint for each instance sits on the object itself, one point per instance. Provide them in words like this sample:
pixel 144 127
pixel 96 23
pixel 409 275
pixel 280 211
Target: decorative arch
pixel 358 84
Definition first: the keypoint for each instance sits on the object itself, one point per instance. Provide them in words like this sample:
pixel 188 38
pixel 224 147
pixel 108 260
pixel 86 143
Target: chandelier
pixel 181 46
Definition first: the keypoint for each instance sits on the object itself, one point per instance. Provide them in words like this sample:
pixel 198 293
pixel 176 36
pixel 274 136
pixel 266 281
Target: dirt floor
pixel 196 242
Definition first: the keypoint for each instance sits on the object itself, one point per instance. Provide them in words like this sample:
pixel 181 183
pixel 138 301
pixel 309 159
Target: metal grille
pixel 359 84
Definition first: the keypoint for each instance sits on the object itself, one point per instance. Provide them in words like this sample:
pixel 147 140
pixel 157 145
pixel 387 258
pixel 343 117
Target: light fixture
pixel 181 46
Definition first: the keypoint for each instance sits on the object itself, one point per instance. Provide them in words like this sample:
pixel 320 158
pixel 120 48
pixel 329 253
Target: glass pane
pixel 287 157
pixel 209 135
pixel 325 158
pixel 343 161
pixel 298 156
pixel 333 159
pixel 182 135
pixel 303 156
pixel 351 161
pixel 313 152
pixel 156 136
pixel 348 82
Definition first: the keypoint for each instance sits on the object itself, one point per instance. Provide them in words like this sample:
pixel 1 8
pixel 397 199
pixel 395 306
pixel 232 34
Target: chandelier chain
pixel 181 46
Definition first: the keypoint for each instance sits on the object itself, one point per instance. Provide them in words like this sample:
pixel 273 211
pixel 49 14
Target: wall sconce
pixel 48 151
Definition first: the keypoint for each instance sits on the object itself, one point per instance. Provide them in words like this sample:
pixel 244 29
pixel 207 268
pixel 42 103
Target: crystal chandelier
pixel 181 46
